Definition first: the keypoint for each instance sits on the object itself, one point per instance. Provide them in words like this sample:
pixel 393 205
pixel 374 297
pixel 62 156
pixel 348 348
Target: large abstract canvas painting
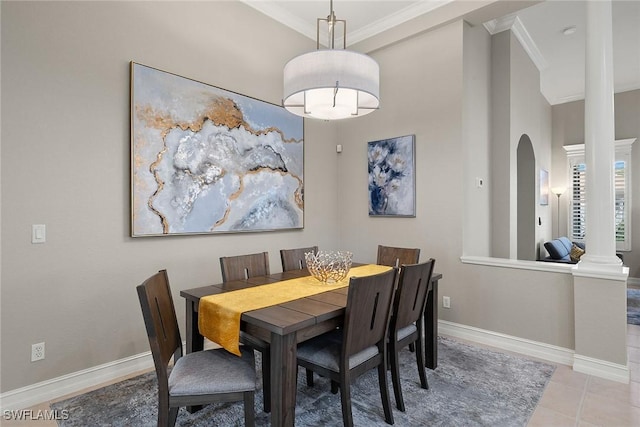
pixel 392 177
pixel 206 160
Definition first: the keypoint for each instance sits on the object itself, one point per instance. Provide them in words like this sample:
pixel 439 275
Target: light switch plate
pixel 38 233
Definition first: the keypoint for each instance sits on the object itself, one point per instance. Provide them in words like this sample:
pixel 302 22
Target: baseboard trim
pixel 72 383
pixel 55 388
pixel 587 365
pixel 601 368
pixel 527 347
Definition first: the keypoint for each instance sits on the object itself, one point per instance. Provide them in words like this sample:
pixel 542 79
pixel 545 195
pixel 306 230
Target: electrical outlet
pixel 446 302
pixel 37 351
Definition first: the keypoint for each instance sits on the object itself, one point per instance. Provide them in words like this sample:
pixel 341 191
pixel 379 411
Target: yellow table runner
pixel 219 315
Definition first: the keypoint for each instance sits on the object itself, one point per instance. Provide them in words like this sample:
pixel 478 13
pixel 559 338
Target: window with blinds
pixel 579 193
pixel 620 197
pixel 578 228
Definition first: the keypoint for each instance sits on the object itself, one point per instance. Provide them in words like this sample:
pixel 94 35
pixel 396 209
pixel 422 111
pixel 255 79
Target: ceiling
pixel 559 57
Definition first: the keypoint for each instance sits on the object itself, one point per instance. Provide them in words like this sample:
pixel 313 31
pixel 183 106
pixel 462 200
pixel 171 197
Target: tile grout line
pixel 582 399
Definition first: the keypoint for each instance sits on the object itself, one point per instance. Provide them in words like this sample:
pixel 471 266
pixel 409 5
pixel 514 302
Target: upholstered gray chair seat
pixel 198 378
pixel 325 351
pixel 406 331
pixel 212 372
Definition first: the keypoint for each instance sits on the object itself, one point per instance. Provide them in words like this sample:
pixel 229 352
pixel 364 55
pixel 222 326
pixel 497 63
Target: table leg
pixel 284 371
pixel 431 327
pixel 195 341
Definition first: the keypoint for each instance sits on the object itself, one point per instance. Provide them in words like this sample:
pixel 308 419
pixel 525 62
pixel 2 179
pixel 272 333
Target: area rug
pixel 470 387
pixel 633 306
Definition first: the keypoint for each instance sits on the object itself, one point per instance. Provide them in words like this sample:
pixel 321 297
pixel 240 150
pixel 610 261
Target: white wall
pixel 65 163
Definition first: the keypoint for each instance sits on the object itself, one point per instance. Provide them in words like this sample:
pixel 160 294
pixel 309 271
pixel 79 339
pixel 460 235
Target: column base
pixel 601 259
pixel 598 264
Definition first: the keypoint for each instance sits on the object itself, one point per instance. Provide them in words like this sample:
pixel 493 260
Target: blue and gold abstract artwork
pixel 206 160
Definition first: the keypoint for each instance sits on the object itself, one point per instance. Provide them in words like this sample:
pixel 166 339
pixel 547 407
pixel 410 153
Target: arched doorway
pixel 526 200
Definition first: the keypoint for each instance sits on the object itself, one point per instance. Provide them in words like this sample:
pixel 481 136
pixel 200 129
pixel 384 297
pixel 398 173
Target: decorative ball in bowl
pixel 329 266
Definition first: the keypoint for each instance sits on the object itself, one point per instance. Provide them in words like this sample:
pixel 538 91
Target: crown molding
pixel 283 16
pixel 501 24
pixel 309 29
pixel 513 23
pixel 580 96
pixel 528 44
pixel 395 19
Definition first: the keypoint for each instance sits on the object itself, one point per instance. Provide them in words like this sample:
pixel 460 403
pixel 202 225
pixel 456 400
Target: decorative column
pixel 600 280
pixel 599 137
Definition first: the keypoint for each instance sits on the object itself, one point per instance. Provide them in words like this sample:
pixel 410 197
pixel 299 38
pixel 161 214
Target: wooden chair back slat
pixel 160 318
pixel 368 311
pixel 242 267
pixel 293 259
pixel 395 257
pixel 412 293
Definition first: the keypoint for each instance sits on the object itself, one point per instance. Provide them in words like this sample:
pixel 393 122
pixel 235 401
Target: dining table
pixel 287 324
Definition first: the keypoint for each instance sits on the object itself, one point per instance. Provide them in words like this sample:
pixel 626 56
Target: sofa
pixel 565 251
pixel 559 250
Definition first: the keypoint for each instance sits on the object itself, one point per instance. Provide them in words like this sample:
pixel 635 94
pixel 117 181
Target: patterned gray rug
pixel 633 306
pixel 471 387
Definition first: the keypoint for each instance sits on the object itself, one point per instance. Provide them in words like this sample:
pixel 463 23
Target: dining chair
pixel 293 259
pixel 196 378
pixel 360 345
pixel 242 267
pixel 407 324
pixel 395 257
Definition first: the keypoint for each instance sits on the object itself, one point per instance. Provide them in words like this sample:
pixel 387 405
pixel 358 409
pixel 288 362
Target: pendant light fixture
pixel 331 84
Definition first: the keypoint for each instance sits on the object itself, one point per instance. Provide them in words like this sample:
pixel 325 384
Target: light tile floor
pixel 574 399
pixel 570 399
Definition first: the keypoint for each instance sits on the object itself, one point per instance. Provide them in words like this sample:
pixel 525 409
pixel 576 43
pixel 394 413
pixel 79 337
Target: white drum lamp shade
pixel 331 84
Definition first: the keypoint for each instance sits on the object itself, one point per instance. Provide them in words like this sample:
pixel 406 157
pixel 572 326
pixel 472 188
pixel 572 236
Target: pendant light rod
pixel 331 24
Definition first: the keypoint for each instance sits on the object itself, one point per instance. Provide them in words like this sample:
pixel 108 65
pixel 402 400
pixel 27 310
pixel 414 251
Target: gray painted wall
pixel 65 163
pixel 426 99
pixel 500 161
pixel 518 108
pixel 531 116
pixel 476 140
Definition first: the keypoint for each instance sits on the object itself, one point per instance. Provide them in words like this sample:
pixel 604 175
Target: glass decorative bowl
pixel 329 266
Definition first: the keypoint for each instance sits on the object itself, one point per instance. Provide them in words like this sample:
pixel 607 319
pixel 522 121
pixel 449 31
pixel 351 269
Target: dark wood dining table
pixel 287 324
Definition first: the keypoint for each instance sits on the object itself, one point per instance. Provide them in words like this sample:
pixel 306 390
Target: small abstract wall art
pixel 392 177
pixel 206 160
